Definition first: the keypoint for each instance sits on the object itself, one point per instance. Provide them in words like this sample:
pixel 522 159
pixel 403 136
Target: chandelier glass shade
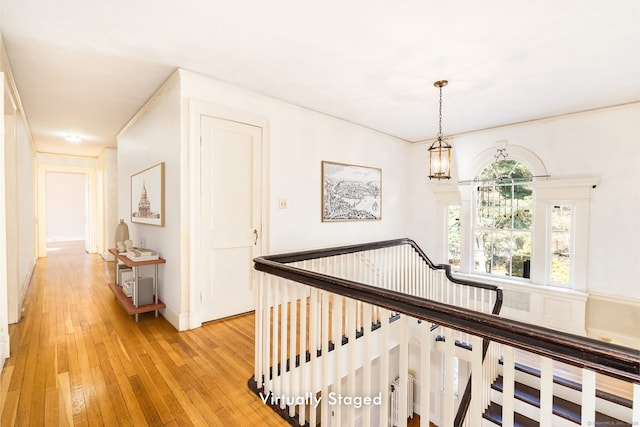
pixel 440 150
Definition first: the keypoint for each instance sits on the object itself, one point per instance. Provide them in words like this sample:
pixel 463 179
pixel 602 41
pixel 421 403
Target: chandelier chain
pixel 440 116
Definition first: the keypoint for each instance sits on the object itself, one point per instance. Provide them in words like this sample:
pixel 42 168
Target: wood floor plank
pixel 65 411
pixel 5 380
pixel 10 408
pixel 107 413
pixel 78 359
pixel 51 407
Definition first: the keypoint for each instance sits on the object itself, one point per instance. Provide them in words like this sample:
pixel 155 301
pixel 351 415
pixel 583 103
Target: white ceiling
pixel 87 66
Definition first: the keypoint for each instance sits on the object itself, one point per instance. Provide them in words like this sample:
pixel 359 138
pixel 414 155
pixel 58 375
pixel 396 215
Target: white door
pixel 230 187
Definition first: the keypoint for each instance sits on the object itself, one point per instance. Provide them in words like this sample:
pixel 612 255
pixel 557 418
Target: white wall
pixel 108 179
pixel 602 144
pixel 26 207
pixel 17 242
pixel 152 137
pixel 4 312
pixel 66 206
pixel 298 141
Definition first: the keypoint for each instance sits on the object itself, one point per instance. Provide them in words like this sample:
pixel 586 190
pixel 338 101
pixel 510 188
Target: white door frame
pixel 191 293
pixel 95 229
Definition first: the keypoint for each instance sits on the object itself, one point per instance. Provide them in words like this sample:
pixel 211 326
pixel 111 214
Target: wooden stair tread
pixel 618 400
pixel 561 407
pixel 494 414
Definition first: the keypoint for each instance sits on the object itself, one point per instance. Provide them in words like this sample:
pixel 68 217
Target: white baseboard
pixel 180 321
pixel 4 349
pixel 27 280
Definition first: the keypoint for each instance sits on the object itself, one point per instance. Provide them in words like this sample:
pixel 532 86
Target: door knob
pixel 255 233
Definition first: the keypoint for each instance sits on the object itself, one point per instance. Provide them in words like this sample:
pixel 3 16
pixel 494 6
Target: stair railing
pixel 314 302
pixel 395 265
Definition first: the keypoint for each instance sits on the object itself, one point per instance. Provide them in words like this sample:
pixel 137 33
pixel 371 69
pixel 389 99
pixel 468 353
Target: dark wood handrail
pixel 606 358
pixel 312 254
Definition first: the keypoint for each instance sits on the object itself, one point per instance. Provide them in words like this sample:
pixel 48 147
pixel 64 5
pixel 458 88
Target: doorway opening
pixel 67 212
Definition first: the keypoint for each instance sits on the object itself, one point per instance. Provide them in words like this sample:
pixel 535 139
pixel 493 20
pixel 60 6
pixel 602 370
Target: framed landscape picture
pixel 147 196
pixel 350 192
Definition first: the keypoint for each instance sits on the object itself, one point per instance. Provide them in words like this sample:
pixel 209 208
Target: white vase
pixel 122 231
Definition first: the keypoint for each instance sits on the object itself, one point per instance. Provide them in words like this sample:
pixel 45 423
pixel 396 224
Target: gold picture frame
pixel 147 196
pixel 351 192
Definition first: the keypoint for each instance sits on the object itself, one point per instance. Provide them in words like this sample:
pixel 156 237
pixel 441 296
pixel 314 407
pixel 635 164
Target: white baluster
pixel 384 364
pixel 478 384
pixel 403 371
pixel 366 368
pixel 546 391
pixel 293 326
pixel 508 379
pixel 425 373
pixel 324 412
pixel 351 371
pixel 277 377
pixel 284 315
pixel 257 361
pixel 267 331
pixel 314 329
pixel 302 350
pixel 588 397
pixel 336 333
pixel 636 405
pixel 449 398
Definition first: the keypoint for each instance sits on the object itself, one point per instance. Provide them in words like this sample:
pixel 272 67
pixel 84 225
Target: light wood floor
pixel 78 359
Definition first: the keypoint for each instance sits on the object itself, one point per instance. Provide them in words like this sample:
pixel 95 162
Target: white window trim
pixel 547 192
pixel 577 193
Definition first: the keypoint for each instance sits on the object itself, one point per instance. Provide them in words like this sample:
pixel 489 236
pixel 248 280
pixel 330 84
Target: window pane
pixel 561 228
pixel 521 266
pixel 501 264
pixel 560 270
pixel 484 218
pixel 561 218
pixel 453 239
pixel 502 242
pixel 482 263
pixel 560 243
pixel 504 218
pixel 522 219
pixel 521 243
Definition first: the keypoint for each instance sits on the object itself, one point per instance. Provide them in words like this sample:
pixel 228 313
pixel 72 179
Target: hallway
pixel 78 359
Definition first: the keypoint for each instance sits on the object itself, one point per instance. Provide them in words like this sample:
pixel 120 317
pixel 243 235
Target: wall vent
pixel 517 300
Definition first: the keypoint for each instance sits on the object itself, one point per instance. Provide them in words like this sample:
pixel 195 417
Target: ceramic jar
pixel 122 233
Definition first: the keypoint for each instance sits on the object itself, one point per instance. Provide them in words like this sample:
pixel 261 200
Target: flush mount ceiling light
pixel 440 150
pixel 74 139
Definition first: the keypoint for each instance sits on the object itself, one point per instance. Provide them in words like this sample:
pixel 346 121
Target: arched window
pixel 509 219
pixel 503 219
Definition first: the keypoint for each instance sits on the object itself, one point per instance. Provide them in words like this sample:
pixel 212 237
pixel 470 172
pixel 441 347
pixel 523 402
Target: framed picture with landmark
pixel 147 196
pixel 351 192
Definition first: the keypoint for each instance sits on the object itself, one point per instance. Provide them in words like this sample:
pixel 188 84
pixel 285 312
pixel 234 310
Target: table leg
pixel 155 285
pixel 135 290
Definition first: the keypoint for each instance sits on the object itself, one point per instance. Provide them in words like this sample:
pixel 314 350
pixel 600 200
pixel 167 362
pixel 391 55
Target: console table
pixel 127 302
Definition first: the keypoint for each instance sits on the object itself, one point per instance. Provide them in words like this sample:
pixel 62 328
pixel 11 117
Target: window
pixel 561 225
pixel 509 219
pixel 453 236
pixel 503 220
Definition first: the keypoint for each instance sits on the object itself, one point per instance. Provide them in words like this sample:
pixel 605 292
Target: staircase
pixel 349 320
pixel 611 410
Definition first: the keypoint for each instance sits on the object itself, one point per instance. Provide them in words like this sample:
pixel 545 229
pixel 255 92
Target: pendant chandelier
pixel 440 150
